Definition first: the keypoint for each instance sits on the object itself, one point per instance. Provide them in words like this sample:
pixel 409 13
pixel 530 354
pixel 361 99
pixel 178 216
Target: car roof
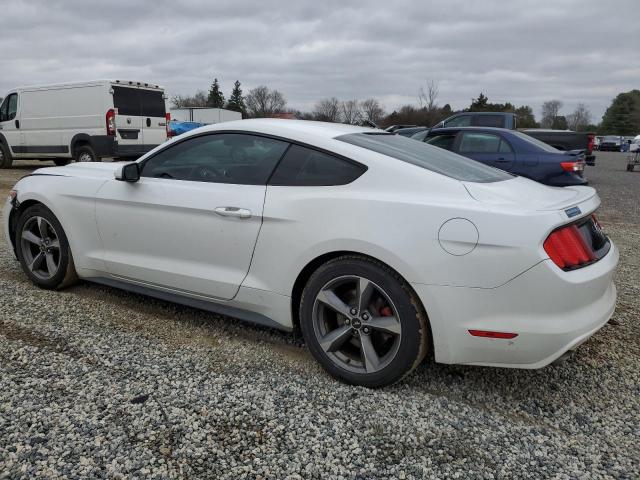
pixel 471 129
pixel 287 128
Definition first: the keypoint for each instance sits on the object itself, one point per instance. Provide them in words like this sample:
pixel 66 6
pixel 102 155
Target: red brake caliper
pixel 386 312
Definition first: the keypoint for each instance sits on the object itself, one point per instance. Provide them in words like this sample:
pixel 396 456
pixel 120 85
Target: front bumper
pixel 6 215
pixel 551 310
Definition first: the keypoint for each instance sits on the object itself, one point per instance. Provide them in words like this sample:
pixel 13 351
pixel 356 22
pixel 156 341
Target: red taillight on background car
pixel 568 248
pixel 111 122
pixel 167 117
pixel 572 166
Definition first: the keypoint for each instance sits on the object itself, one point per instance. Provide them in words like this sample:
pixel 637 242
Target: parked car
pixel 82 121
pixel 409 132
pixel 559 139
pixel 514 152
pixel 380 248
pixel 610 143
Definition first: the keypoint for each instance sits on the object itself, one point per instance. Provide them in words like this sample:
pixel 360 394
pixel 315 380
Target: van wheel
pixel 85 153
pixel 5 157
pixel 61 162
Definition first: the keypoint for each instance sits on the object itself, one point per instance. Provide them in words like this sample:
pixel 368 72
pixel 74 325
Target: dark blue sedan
pixel 512 151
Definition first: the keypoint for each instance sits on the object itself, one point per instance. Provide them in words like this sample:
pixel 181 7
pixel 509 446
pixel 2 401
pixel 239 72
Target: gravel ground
pixel 96 382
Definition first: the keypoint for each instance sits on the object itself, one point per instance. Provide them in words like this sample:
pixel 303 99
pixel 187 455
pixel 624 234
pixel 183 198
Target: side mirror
pixel 129 172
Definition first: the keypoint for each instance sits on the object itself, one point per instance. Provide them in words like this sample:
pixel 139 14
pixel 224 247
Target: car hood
pixel 83 169
pixel 527 194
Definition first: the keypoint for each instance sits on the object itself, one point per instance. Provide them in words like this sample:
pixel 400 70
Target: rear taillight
pixel 592 141
pixel 572 166
pixel 567 248
pixel 111 122
pixel 167 117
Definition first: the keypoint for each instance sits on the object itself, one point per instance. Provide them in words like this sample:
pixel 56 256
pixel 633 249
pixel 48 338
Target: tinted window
pixel 139 102
pixel 152 103
pixel 461 121
pixel 473 142
pixel 304 166
pixel 218 158
pixel 443 140
pixel 426 156
pixel 9 108
pixel 489 120
pixel 420 135
pixel 126 100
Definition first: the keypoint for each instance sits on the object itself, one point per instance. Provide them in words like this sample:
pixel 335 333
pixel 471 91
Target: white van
pixel 82 121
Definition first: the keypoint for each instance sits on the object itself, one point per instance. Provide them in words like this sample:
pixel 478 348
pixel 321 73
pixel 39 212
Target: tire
pixel 39 223
pixel 390 321
pixel 5 156
pixel 84 153
pixel 630 167
pixel 61 162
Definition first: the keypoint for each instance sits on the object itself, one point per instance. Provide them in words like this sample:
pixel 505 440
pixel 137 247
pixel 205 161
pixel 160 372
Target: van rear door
pixel 129 135
pixel 154 112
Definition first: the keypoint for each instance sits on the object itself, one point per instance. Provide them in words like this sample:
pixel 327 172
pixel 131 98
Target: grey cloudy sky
pixel 525 52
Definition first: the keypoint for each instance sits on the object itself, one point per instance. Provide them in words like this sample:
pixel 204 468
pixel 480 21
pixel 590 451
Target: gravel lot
pixel 95 382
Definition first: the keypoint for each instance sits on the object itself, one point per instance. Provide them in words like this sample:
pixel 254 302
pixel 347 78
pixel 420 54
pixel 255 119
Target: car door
pixel 488 148
pixel 154 117
pixel 10 125
pixel 191 222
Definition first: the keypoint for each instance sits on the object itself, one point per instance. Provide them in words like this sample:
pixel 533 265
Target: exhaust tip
pixel 563 358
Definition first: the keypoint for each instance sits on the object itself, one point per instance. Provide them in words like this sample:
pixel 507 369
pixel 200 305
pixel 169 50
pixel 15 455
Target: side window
pixel 489 120
pixel 442 140
pixel 218 158
pixel 473 142
pixel 9 108
pixel 127 101
pixel 303 166
pixel 460 121
pixel 505 147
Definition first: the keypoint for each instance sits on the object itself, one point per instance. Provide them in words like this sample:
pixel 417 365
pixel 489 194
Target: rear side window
pixel 303 166
pixel 139 102
pixel 489 120
pixel 479 143
pixel 426 156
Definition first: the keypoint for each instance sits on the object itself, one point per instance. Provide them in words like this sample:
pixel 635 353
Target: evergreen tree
pixel 623 115
pixel 216 98
pixel 236 100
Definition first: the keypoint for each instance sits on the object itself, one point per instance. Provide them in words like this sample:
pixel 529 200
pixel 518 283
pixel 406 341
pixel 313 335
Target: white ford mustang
pixel 379 248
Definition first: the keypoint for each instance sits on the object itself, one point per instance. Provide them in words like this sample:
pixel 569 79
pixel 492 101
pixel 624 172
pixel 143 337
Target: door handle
pixel 233 212
pixel 18 124
pixel 148 122
pixel 502 160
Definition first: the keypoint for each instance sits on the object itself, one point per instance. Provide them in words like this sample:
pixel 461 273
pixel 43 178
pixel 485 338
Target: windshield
pixel 538 143
pixel 426 156
pixel 611 138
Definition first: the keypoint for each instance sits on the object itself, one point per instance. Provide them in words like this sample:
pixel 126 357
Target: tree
pixel 525 117
pixel 427 98
pixel 479 104
pixel 263 102
pixel 371 110
pixel 197 100
pixel 327 110
pixel 623 115
pixel 236 100
pixel 216 98
pixel 580 118
pixel 351 113
pixel 559 123
pixel 550 111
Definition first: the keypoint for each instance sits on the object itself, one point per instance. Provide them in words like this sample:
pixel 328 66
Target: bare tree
pixel 550 111
pixel 327 110
pixel 371 110
pixel 351 113
pixel 197 100
pixel 262 102
pixel 427 98
pixel 580 118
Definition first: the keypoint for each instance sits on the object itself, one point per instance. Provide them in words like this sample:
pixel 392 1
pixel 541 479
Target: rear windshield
pixel 538 143
pixel 139 102
pixel 426 156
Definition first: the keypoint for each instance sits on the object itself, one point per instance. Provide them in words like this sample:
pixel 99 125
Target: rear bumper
pixel 551 311
pixel 566 179
pixel 108 146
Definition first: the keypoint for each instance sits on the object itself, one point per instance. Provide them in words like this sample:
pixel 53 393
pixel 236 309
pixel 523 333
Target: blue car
pixel 512 151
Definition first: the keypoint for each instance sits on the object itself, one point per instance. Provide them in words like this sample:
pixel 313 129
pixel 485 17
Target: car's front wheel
pixel 43 249
pixel 362 322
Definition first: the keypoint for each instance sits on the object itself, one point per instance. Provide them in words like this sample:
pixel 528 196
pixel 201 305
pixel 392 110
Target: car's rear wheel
pixel 43 249
pixel 5 157
pixel 362 322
